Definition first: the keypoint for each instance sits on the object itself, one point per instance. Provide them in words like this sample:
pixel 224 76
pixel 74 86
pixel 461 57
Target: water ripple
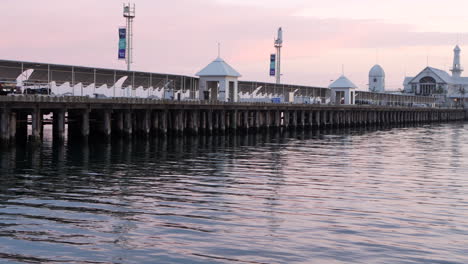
pixel 393 195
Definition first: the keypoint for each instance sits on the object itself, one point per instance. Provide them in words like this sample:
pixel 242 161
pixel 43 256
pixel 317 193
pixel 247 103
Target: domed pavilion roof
pixel 342 82
pixel 377 71
pixel 218 68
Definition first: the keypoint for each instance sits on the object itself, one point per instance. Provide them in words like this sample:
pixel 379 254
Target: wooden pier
pixel 133 116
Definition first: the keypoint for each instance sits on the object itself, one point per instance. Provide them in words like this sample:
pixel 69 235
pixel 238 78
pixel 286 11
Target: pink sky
pixel 180 36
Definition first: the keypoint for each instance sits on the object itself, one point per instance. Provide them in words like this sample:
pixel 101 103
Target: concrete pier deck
pixel 127 116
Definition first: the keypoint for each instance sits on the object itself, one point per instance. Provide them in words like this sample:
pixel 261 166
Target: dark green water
pixel 395 195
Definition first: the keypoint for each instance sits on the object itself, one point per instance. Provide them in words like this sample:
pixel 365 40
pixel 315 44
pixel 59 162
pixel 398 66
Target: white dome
pixel 376 71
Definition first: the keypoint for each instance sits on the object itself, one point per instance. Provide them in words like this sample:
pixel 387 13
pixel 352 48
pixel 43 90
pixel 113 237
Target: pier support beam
pixel 324 118
pixel 36 126
pixel 164 121
pixel 209 122
pixel 85 123
pixel 21 125
pixel 222 122
pixel 310 119
pixel 118 122
pixel 155 122
pixel 317 118
pixel 216 117
pixel 59 124
pixel 277 119
pixel 106 126
pixel 268 115
pixel 127 123
pixel 246 120
pixel 13 125
pixel 234 120
pixel 294 123
pixel 286 116
pixel 302 119
pixel 145 124
pixel 5 124
pixel 196 121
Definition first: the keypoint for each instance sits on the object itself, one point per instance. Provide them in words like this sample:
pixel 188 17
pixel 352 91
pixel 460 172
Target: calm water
pixel 395 195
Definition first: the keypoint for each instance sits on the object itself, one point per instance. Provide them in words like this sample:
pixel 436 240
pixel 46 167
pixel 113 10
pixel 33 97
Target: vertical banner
pixel 272 64
pixel 122 43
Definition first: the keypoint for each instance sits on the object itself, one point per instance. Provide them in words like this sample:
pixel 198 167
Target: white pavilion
pixel 218 82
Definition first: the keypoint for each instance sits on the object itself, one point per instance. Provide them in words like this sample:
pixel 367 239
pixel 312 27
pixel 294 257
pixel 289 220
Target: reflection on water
pixel 395 195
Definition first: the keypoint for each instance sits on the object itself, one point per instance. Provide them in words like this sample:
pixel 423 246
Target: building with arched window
pixel 436 82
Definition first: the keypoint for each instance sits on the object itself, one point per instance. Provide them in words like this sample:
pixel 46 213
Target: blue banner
pixel 122 43
pixel 272 64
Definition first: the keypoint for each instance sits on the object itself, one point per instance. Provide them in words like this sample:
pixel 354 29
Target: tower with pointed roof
pixel 456 68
